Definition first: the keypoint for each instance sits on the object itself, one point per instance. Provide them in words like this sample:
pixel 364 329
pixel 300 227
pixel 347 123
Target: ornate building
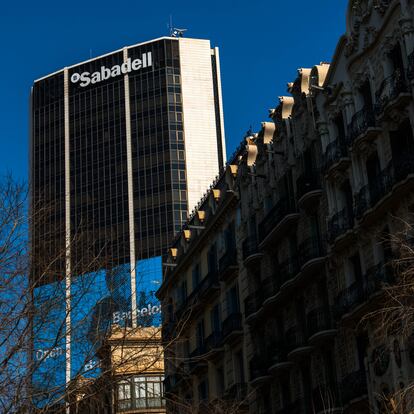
pixel 273 293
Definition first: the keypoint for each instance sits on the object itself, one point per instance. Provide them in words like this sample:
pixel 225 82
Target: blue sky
pixel 262 43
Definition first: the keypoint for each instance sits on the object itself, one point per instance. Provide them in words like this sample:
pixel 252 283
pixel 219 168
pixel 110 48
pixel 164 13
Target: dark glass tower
pixel 122 147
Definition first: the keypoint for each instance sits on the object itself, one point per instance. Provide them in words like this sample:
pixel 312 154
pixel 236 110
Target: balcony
pixel 377 277
pixel 349 298
pixel 319 325
pixel 354 387
pixel 270 287
pixel 279 360
pixel 279 219
pixel 371 198
pixel 228 264
pixel 214 343
pixel 232 326
pixel 309 188
pixel 250 249
pixel 209 285
pixel 259 366
pixel 237 393
pixel 362 127
pixel 252 304
pixel 288 270
pixel 197 358
pixel 339 224
pixel 296 343
pixel 393 93
pixel 336 156
pixel 311 255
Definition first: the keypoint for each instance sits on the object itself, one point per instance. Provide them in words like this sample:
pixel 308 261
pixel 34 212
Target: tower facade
pixel 122 147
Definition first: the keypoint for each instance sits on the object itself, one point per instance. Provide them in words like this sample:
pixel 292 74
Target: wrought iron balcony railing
pixel 360 122
pixel 259 365
pixel 389 90
pixel 340 223
pixel 333 153
pixel 349 298
pixel 253 303
pixel 231 324
pixel 311 248
pixel 318 320
pixel 250 247
pixel 288 269
pixel 307 182
pixel 282 208
pixel 295 338
pixel 237 392
pixel 270 287
pixel 214 341
pixel 227 262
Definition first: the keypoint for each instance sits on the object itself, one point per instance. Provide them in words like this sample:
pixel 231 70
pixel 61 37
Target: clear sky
pixel 262 44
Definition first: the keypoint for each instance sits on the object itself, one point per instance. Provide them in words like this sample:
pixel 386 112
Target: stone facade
pixel 270 290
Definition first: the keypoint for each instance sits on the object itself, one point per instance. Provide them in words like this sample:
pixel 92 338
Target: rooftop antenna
pixel 175 31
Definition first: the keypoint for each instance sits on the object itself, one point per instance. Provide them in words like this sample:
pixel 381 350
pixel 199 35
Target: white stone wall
pixel 199 117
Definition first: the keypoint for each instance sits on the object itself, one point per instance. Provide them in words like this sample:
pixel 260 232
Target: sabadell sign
pixel 86 78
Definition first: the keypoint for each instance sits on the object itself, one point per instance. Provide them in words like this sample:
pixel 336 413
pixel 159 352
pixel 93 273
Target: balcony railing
pixel 141 403
pixel 214 341
pixel 339 224
pixel 334 152
pixel 288 269
pixel 353 386
pixel 396 171
pixel 196 357
pixel 389 90
pixel 270 287
pixel 278 352
pixel 208 282
pixel 253 303
pixel 311 248
pixel 307 182
pixel 259 365
pixel 349 298
pixel 377 277
pixel 250 247
pixel 227 262
pixel 231 324
pixel 318 320
pixel 237 392
pixel 360 122
pixel 282 208
pixel 295 338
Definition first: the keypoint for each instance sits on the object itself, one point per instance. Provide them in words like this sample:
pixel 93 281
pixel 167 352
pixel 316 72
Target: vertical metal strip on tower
pixel 130 198
pixel 67 238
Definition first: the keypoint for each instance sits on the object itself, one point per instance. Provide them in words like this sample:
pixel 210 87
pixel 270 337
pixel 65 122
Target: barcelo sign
pixel 104 73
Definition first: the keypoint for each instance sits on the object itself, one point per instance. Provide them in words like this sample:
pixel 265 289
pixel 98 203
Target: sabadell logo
pixel 104 73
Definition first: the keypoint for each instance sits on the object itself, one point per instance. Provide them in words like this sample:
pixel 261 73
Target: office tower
pixel 122 147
